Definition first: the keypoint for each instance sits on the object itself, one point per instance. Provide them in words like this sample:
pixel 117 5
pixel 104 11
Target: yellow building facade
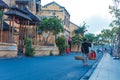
pixel 54 9
pixel 72 28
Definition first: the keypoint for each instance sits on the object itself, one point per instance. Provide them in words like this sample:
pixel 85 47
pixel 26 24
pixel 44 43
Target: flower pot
pixel 67 50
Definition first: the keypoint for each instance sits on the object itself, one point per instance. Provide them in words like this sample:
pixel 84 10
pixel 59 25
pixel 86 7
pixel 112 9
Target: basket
pixel 92 55
pixel 92 58
pixel 78 58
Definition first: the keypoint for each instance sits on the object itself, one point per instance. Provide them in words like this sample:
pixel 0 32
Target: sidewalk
pixel 107 69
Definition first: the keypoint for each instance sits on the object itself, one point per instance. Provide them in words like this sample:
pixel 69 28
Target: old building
pixel 22 18
pixel 21 22
pixel 54 9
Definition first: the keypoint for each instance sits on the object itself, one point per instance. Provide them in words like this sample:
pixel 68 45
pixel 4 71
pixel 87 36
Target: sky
pixel 95 13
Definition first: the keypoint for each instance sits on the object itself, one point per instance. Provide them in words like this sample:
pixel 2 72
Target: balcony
pixel 22 1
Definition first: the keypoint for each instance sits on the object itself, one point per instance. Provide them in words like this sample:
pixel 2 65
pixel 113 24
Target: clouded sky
pixel 94 12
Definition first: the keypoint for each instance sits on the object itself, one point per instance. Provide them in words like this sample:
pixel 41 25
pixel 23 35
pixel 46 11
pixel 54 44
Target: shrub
pixel 61 44
pixel 29 50
pixel 51 53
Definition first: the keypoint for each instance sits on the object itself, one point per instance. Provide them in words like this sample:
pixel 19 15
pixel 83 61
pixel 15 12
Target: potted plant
pixel 51 53
pixel 67 49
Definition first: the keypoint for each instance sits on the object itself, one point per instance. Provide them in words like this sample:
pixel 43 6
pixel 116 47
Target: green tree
pixel 81 29
pixel 79 34
pixel 76 40
pixel 51 26
pixel 96 40
pixel 114 32
pixel 116 23
pixel 107 35
pixel 90 36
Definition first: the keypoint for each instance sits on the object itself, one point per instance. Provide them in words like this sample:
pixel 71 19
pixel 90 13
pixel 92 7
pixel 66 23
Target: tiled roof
pixel 17 14
pixel 35 19
pixel 52 3
pixel 18 9
pixel 3 4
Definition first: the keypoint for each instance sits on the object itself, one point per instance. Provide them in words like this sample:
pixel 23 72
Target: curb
pixel 87 75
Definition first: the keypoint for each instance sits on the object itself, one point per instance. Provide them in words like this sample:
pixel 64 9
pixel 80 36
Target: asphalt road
pixel 63 67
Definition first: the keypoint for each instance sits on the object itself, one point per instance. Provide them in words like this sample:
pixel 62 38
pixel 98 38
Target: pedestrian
pixel 85 51
pixel 69 43
pixel 105 50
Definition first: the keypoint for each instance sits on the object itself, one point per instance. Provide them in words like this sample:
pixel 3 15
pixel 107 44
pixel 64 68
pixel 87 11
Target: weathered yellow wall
pixel 74 48
pixel 8 50
pixel 45 50
pixel 72 28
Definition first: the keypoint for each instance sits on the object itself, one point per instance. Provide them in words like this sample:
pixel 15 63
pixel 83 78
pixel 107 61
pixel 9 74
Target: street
pixel 63 67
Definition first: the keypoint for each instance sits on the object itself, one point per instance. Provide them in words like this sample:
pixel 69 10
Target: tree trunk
pixel 78 48
pixel 46 40
pixel 119 44
pixel 55 37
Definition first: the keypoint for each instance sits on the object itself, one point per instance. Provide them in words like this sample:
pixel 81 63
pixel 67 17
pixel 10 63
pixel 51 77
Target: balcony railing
pixel 22 1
